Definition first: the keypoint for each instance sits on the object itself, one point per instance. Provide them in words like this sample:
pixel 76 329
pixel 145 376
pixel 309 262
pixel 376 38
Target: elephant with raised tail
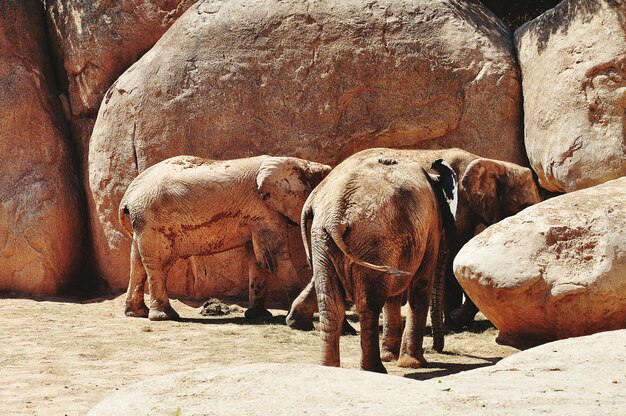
pixel 188 206
pixel 489 191
pixel 377 225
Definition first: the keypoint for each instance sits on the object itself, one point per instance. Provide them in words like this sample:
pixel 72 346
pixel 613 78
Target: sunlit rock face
pixel 41 220
pixel 317 80
pixel 555 270
pixel 573 62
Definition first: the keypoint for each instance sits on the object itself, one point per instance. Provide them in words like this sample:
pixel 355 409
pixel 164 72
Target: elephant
pixel 377 224
pixel 189 206
pixel 489 191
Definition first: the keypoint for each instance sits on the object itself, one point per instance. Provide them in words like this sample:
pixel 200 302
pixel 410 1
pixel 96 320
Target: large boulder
pixel 96 41
pixel 573 61
pixel 555 378
pixel 556 270
pixel 41 218
pixel 317 80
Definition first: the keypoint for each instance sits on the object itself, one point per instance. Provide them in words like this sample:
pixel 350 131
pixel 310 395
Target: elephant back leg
pixel 257 287
pixel 331 305
pixel 370 296
pixel 135 305
pixel 160 308
pixel 411 349
pixel 157 259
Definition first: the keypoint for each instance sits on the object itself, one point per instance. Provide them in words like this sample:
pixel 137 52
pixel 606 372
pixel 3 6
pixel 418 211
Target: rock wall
pixel 317 80
pixel 41 216
pixel 95 42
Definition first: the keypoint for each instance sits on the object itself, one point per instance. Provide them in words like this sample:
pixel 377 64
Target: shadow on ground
pixel 442 369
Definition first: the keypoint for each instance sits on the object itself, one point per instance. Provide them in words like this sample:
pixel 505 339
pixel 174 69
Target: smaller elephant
pixel 377 228
pixel 188 206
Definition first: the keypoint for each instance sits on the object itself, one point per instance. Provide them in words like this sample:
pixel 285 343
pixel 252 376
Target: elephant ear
pixel 446 187
pixel 283 183
pixel 480 183
pixel 449 184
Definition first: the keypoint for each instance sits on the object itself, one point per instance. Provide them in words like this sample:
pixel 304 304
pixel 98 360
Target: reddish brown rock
pixel 317 80
pixel 555 270
pixel 96 41
pixel 41 220
pixel 573 61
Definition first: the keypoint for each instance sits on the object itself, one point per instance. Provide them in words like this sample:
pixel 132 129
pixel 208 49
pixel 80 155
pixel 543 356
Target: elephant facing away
pixel 188 206
pixel 376 228
pixel 489 191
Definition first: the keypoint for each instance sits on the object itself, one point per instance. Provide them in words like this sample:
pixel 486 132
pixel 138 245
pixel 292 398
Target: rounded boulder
pixel 555 270
pixel 573 63
pixel 316 80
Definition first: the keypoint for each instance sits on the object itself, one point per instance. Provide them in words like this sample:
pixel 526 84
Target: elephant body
pixel 376 228
pixel 188 206
pixel 489 191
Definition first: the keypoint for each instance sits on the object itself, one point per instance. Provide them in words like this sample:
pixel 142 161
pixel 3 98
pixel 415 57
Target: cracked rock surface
pixel 95 41
pixel 555 270
pixel 573 62
pixel 41 220
pixel 317 80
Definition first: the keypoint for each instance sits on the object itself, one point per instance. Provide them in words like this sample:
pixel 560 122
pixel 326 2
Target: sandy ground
pixel 59 357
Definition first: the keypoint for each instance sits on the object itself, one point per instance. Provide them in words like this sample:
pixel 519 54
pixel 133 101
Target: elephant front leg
pixel 135 305
pixel 257 289
pixel 392 329
pixel 332 309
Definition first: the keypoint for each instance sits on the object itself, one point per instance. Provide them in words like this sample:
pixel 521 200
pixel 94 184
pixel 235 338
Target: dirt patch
pixel 215 307
pixel 59 357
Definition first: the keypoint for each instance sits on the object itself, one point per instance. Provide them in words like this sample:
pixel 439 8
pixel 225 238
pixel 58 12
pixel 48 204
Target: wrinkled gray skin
pixel 489 191
pixel 376 230
pixel 188 206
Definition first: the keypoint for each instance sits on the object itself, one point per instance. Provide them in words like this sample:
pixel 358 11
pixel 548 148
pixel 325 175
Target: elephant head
pixel 496 190
pixel 284 183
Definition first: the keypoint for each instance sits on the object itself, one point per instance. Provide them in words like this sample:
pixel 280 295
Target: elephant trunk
pixel 307 215
pixel 437 299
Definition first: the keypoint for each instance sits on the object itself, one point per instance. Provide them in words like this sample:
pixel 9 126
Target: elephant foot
pixel 299 324
pixel 140 311
pixel 257 312
pixel 407 361
pixel 375 368
pixel 347 329
pixel 169 314
pixel 387 355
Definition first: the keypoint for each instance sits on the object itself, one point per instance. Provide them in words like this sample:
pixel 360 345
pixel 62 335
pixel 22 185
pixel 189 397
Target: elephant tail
pixel 336 233
pixel 123 214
